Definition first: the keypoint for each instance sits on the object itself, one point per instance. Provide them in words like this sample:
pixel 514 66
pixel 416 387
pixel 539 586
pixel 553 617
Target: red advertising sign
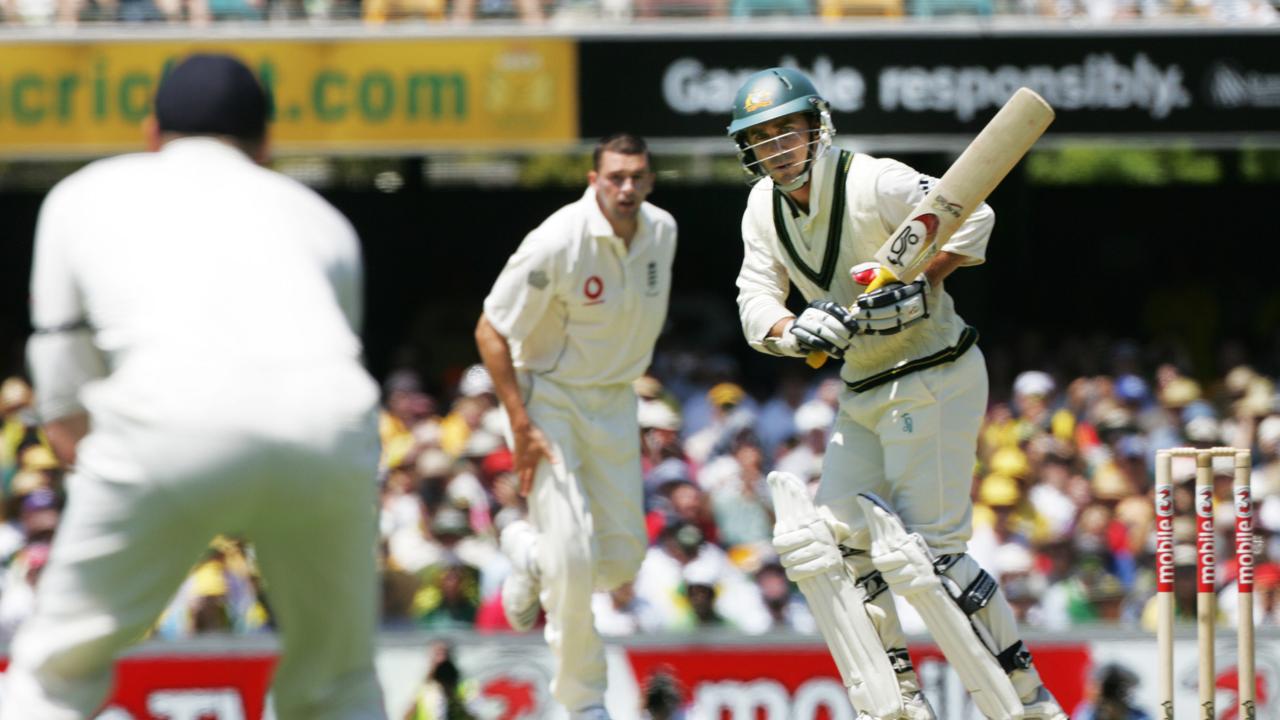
pixel 228 687
pixel 801 681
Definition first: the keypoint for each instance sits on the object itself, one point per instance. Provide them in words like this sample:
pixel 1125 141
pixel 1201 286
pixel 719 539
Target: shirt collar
pixel 820 181
pixel 598 225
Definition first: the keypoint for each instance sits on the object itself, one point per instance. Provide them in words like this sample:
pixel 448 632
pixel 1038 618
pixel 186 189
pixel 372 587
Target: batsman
pixel 892 514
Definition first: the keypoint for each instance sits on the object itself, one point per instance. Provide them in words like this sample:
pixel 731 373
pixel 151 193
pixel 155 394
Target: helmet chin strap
pixel 803 178
pixel 799 181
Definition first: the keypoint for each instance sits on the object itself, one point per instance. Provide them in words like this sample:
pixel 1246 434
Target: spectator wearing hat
pixel 660 580
pixel 462 430
pixel 1248 397
pixel 219 595
pixel 18 426
pixel 134 257
pixel 662 457
pixel 405 408
pixel 1181 399
pixel 474 413
pixel 812 422
pixel 1032 398
pixel 995 521
pixel 648 388
pixel 657 415
pixel 729 416
pixel 700 592
pixel 1023 517
pixel 1110 487
pixel 1023 583
pixel 443 533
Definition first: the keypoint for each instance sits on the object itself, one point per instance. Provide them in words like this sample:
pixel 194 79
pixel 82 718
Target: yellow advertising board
pixel 329 95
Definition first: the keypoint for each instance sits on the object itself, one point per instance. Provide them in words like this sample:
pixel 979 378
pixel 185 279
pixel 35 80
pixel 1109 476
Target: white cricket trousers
pixel 913 442
pixel 588 510
pixel 292 469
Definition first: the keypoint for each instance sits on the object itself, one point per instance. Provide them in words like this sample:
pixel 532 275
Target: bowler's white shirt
pixel 187 263
pixel 576 305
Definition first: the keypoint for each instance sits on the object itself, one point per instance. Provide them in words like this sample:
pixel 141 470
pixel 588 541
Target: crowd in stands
pixel 1062 486
pixel 375 12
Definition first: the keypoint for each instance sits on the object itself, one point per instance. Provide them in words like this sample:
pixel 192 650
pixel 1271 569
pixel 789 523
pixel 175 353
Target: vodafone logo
pixel 593 288
pixel 1244 502
pixel 1204 502
pixel 517 697
pixel 1164 500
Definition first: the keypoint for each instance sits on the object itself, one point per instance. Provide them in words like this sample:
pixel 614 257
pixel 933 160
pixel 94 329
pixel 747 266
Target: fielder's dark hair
pixel 212 94
pixel 620 142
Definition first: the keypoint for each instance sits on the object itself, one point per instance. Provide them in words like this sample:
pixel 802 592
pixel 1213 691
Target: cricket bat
pixel 965 185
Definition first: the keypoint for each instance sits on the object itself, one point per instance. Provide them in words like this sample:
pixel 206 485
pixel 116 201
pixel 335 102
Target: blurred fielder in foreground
pixel 197 362
pixel 569 324
pixel 892 512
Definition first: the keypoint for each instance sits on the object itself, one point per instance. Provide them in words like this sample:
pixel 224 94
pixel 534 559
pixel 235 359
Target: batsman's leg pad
pixel 907 566
pixel 991 612
pixel 839 609
pixel 884 616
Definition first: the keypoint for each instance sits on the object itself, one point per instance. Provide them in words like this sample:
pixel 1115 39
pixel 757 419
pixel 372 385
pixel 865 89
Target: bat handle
pixel 883 277
pixel 816 359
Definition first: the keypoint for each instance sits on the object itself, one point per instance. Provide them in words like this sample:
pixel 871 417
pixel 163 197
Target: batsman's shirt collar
pixel 820 182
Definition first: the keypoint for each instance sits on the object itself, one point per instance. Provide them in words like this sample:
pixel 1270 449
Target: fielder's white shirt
pixel 576 305
pixel 879 194
pixel 155 270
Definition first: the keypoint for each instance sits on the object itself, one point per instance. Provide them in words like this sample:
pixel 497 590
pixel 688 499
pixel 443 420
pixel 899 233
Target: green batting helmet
pixel 771 94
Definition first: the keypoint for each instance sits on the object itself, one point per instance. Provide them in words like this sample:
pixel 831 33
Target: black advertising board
pixel 934 83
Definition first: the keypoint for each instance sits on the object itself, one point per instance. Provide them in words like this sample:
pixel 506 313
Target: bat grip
pixel 883 277
pixel 816 359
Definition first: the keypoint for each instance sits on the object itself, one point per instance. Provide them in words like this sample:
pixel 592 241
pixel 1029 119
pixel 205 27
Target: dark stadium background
pixel 1172 265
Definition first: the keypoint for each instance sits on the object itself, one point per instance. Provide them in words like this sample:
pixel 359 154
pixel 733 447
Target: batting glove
pixel 825 326
pixel 893 308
